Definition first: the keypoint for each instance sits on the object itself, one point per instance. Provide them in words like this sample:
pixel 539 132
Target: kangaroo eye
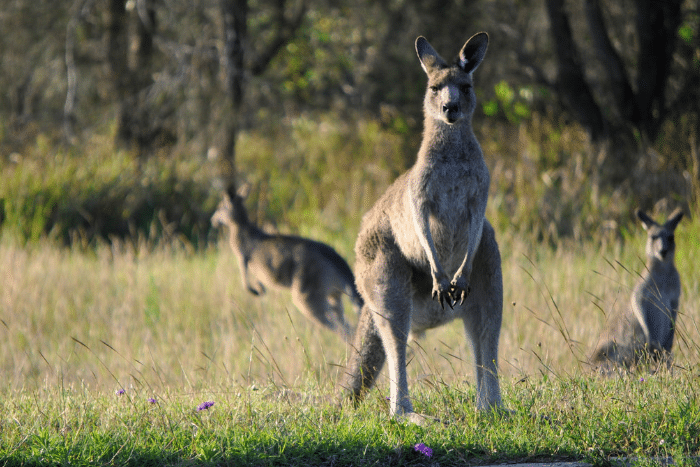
pixel 465 88
pixel 434 89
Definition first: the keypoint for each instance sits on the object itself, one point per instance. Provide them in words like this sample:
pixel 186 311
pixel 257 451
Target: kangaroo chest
pixel 452 198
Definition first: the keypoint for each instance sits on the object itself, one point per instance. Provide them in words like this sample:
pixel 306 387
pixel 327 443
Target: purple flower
pixel 423 449
pixel 641 380
pixel 152 400
pixel 204 405
pixel 120 392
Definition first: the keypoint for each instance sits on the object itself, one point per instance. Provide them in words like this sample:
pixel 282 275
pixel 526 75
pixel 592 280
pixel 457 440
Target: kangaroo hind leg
pixel 482 319
pixel 366 359
pixel 386 286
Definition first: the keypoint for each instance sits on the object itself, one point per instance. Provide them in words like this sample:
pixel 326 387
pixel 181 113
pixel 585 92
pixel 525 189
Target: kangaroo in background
pixel 645 329
pixel 315 273
pixel 426 242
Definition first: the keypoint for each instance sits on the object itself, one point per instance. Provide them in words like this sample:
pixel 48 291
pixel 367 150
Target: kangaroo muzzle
pixel 451 108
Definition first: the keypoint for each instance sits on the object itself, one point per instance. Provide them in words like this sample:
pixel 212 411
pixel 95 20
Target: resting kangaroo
pixel 428 228
pixel 316 274
pixel 645 329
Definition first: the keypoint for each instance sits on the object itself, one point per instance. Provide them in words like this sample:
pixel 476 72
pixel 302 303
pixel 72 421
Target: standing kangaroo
pixel 429 227
pixel 315 273
pixel 646 328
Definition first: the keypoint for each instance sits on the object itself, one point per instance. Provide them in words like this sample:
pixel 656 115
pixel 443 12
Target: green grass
pixel 166 322
pixel 559 418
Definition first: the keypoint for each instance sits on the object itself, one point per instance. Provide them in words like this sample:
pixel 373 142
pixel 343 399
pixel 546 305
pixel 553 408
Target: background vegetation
pixel 119 126
pixel 168 102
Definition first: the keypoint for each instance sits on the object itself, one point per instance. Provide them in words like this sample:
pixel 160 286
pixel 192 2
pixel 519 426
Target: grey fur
pixel 644 331
pixel 315 273
pixel 429 227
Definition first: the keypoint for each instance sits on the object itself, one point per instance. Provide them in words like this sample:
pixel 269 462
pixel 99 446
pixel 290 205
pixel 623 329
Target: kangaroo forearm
pixel 421 226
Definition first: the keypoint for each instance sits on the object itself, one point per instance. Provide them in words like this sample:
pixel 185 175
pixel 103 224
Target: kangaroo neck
pixel 246 233
pixel 656 266
pixel 444 141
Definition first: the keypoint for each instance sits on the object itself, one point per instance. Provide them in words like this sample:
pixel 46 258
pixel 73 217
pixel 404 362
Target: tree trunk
pixel 571 84
pixel 235 17
pixel 131 73
pixel 236 63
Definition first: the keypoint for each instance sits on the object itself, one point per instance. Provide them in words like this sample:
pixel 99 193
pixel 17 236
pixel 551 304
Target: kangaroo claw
pixel 461 295
pixel 459 291
pixel 443 295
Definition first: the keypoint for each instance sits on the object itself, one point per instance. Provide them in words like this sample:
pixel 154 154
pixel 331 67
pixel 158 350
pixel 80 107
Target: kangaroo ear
pixel 429 58
pixel 647 221
pixel 675 218
pixel 473 52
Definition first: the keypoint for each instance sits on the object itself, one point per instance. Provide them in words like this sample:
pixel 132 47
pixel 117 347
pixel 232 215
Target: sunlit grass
pixel 159 319
pixel 167 315
pixel 164 322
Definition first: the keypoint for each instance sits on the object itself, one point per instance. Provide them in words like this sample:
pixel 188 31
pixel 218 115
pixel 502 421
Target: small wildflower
pixel 423 449
pixel 204 405
pixel 120 392
pixel 641 380
pixel 152 400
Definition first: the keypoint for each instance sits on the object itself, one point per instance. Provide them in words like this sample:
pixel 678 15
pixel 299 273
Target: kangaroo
pixel 315 273
pixel 428 227
pixel 645 329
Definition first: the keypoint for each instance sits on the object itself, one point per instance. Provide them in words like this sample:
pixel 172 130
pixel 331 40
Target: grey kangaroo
pixel 425 243
pixel 315 273
pixel 645 329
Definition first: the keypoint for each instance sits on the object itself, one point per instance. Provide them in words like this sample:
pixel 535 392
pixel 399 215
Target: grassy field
pixel 106 355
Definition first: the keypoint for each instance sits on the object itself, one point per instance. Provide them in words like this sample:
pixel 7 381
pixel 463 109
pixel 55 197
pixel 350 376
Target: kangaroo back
pixel 314 272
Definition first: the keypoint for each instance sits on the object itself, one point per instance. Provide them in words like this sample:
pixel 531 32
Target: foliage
pixel 316 174
pixel 99 194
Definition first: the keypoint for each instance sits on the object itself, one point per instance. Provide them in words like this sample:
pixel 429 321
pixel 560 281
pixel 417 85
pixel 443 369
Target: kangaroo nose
pixel 450 107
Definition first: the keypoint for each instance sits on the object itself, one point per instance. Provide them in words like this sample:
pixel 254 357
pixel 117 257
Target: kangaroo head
pixel 231 211
pixel 450 96
pixel 661 243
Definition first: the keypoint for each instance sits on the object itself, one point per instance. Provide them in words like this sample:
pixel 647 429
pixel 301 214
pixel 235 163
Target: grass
pixel 168 323
pixel 158 318
pixel 560 418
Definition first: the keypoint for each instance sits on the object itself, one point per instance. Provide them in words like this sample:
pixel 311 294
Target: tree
pixel 129 44
pixel 239 59
pixel 640 96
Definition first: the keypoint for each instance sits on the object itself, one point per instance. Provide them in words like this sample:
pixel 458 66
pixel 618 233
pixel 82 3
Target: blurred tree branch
pixel 236 64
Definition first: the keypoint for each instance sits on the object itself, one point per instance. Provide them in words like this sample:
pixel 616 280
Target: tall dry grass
pixel 134 314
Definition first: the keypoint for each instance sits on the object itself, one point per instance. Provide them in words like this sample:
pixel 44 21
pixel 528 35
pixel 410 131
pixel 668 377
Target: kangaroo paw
pixel 441 292
pixel 459 290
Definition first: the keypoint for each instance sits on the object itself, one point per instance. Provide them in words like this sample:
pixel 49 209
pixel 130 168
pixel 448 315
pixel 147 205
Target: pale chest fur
pixel 453 193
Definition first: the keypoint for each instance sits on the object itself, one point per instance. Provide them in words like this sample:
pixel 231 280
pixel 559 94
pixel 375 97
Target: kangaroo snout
pixel 451 108
pixel 451 111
